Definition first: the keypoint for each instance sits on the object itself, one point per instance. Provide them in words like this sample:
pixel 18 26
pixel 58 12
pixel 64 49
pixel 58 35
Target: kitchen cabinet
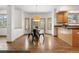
pixel 69 35
pixel 65 35
pixel 75 37
pixel 62 17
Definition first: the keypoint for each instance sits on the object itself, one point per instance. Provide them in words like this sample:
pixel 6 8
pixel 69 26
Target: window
pixel 73 18
pixel 49 24
pixel 42 23
pixel 3 21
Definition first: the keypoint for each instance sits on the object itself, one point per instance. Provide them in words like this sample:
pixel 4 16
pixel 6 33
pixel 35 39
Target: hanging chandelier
pixel 36 18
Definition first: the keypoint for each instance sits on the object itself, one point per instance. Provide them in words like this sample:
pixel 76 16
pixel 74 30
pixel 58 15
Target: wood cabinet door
pixel 75 37
pixel 65 17
pixel 62 17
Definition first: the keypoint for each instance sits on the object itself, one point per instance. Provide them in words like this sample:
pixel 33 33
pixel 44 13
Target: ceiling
pixel 36 8
pixel 43 8
pixel 3 7
pixel 46 8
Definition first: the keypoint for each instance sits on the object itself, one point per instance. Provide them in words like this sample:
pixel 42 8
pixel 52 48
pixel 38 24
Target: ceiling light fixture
pixel 36 18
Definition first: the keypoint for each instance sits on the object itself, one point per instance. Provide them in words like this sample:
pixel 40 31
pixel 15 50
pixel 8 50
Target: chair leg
pixel 28 35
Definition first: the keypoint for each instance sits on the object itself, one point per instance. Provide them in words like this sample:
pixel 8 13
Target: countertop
pixel 72 27
pixel 68 26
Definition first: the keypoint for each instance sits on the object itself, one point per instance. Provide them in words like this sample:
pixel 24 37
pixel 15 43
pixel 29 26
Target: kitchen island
pixel 69 34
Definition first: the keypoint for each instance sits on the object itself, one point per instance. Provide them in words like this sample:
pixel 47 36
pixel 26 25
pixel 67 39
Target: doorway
pixel 27 26
pixel 40 24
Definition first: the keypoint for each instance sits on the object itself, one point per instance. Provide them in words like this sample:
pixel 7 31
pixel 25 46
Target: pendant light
pixel 36 18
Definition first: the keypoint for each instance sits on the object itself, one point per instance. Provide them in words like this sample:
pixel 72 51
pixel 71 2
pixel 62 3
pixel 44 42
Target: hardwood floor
pixel 50 45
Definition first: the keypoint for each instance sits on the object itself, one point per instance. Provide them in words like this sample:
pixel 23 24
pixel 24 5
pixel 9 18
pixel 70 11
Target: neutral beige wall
pixel 65 35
